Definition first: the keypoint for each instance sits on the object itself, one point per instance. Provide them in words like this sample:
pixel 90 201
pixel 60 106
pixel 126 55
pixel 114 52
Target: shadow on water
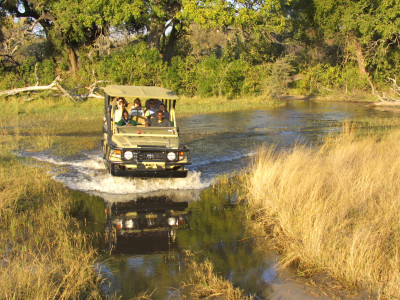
pixel 144 243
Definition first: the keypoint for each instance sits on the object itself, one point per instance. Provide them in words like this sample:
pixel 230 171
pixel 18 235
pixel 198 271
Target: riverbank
pixel 41 255
pixel 333 210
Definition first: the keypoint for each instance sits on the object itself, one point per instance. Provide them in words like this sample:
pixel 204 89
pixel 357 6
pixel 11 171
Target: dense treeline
pixel 209 47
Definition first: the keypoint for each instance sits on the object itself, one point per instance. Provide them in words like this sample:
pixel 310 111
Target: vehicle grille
pixel 150 156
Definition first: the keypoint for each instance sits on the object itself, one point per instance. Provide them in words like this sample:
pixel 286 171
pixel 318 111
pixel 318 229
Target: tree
pixel 12 36
pixel 255 24
pixel 67 25
pixel 369 30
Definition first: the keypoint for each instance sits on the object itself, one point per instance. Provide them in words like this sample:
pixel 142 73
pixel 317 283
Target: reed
pixel 333 210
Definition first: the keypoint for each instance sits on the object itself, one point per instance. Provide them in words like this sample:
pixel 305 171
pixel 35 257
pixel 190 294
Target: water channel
pixel 207 222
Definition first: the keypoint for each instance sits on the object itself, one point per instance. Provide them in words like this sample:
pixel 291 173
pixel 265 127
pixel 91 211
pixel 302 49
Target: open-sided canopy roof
pixel 154 92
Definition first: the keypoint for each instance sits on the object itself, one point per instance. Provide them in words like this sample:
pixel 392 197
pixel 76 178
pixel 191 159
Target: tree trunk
pixel 154 35
pixel 361 63
pixel 169 47
pixel 73 59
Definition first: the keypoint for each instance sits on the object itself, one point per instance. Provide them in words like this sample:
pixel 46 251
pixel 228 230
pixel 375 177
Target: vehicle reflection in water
pixel 141 252
pixel 149 255
pixel 145 225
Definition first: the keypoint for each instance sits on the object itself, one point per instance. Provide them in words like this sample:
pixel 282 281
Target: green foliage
pixel 136 65
pixel 180 76
pixel 220 77
pixel 323 78
pixel 208 76
pixel 254 81
pixel 279 77
pixel 213 47
pixel 47 71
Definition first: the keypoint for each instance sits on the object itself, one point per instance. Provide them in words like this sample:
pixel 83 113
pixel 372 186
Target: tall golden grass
pixel 333 210
pixel 41 255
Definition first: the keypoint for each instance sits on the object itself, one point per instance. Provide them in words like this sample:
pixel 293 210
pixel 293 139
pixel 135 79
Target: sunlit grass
pixel 41 256
pixel 204 283
pixel 333 210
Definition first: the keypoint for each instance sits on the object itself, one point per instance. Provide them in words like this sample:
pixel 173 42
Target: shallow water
pixel 220 144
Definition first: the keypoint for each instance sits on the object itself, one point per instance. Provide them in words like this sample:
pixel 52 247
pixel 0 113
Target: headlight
pixel 171 221
pixel 129 224
pixel 118 224
pixel 171 156
pixel 128 155
pixel 181 155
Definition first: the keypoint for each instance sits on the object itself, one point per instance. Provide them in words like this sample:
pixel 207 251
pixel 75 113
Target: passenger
pixel 159 121
pixel 121 104
pixel 151 111
pixel 165 112
pixel 156 101
pixel 137 110
pixel 126 121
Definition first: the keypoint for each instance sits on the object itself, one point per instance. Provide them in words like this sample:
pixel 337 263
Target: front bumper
pixel 168 173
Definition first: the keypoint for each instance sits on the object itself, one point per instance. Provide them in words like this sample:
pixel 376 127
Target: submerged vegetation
pixel 333 210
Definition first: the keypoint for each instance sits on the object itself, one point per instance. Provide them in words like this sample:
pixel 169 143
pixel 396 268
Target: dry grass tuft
pixel 335 209
pixel 204 283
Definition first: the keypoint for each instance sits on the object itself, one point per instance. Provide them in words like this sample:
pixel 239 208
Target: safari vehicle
pixel 141 151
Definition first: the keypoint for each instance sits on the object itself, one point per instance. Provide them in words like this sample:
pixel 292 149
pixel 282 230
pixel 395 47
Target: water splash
pixel 87 173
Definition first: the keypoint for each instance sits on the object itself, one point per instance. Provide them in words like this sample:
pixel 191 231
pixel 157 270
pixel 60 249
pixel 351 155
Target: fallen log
pixel 56 85
pixel 51 86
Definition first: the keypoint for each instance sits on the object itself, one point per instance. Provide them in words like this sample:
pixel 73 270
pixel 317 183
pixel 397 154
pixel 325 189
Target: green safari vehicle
pixel 142 151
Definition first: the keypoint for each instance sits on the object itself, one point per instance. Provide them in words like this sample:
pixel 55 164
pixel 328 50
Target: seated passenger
pixel 156 101
pixel 165 112
pixel 159 121
pixel 151 111
pixel 137 110
pixel 121 104
pixel 126 121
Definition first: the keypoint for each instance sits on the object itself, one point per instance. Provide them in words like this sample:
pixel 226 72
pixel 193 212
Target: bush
pixel 322 78
pixel 279 77
pixel 180 76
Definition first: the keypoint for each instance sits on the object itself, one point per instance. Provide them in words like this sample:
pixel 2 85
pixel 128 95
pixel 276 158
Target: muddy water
pixel 153 258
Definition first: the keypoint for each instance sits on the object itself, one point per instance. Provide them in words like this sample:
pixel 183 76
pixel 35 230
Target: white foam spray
pixel 87 173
